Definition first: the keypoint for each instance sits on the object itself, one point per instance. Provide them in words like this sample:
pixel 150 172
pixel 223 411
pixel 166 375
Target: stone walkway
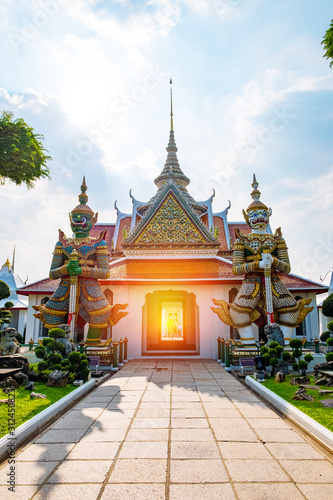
pixel 171 429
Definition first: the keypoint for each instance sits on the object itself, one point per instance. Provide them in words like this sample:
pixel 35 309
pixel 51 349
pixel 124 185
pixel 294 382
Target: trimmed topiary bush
pixel 324 336
pixel 57 333
pixel 40 352
pixel 327 308
pixel 42 365
pixel 56 367
pixel 329 357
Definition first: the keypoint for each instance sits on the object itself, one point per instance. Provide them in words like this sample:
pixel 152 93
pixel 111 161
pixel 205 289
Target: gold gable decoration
pixel 170 224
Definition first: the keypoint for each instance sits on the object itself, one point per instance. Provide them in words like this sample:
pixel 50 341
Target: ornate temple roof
pixel 172 174
pixel 14 282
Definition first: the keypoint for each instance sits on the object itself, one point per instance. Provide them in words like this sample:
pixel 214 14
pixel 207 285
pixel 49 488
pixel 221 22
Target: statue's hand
pixel 73 268
pixel 266 262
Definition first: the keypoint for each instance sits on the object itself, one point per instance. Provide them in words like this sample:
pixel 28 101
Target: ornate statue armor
pixel 91 263
pixel 253 254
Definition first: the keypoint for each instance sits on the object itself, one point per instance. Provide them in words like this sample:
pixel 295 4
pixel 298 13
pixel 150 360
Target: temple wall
pixel 210 327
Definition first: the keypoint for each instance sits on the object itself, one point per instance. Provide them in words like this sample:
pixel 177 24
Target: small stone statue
pixel 8 342
pixel 274 333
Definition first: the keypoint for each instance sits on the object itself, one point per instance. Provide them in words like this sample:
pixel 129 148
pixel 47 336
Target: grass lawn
pixel 26 408
pixel 313 409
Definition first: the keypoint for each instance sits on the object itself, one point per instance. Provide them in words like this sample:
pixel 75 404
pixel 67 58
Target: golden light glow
pixel 172 321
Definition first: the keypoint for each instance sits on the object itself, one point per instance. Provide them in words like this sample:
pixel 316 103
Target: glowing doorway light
pixel 172 321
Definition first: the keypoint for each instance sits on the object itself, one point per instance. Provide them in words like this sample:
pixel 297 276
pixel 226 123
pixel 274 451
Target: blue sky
pixel 252 93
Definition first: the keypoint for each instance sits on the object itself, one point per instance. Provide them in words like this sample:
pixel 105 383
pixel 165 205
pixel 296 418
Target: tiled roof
pixel 98 228
pixel 125 222
pixel 125 270
pixel 218 222
pixel 46 286
pixel 244 228
pixel 180 269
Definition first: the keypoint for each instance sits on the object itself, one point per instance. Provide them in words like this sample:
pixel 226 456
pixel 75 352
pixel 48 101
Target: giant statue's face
pixel 259 218
pixel 81 224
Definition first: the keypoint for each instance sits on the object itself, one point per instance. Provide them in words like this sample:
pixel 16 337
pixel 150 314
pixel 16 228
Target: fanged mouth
pixel 259 221
pixel 80 224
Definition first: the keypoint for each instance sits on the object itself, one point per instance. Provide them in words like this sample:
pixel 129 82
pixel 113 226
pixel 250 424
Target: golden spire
pixel 171 113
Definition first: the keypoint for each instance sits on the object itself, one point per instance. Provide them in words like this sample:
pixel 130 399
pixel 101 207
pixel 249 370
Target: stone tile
pixel 139 471
pixel 150 423
pixel 44 452
pixel 187 405
pixel 199 449
pixel 255 471
pixel 147 435
pixel 134 492
pixel 111 423
pixel 153 413
pixel 220 403
pixel 189 423
pixel 201 491
pixel 98 434
pixel 97 399
pixel 113 413
pixel 235 434
pixel 96 405
pixel 28 473
pixel 81 471
pixel 316 491
pixel 271 491
pixel 20 492
pixel 229 422
pixel 188 413
pixel 131 405
pixel 294 451
pixel 155 449
pixel 73 422
pixel 244 450
pixel 187 397
pixel 197 471
pixel 191 435
pixel 317 471
pixel 88 412
pixel 157 404
pixel 156 396
pixel 222 413
pixel 250 405
pixel 259 414
pixel 94 451
pixel 268 423
pixel 279 436
pixel 61 436
pixel 68 492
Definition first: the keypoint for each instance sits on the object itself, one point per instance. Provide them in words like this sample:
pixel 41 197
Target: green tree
pixel 327 308
pixel 22 154
pixel 5 315
pixel 327 41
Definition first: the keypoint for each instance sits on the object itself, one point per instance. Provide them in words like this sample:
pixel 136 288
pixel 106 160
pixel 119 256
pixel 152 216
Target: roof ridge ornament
pixel 171 111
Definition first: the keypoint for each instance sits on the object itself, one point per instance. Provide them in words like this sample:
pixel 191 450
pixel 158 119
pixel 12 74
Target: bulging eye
pixel 84 219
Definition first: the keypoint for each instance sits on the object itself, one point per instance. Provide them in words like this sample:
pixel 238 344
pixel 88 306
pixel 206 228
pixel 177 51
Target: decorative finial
pixel 7 264
pixel 171 113
pixel 83 198
pixel 255 195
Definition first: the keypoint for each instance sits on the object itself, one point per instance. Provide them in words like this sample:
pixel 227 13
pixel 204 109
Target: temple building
pixel 19 309
pixel 168 259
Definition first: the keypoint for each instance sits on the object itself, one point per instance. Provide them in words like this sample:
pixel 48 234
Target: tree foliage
pixel 22 154
pixel 327 308
pixel 327 41
pixel 5 315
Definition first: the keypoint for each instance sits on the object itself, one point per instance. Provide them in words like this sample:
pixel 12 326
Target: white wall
pixel 210 326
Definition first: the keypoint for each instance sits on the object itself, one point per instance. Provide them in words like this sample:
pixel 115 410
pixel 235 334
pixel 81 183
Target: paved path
pixel 175 430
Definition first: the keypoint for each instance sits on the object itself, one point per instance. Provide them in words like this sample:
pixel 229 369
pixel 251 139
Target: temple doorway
pixel 170 322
